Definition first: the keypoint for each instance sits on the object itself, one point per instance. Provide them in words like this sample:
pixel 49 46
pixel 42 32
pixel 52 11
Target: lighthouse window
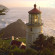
pixel 30 29
pixel 35 16
pixel 36 19
pixel 30 15
pixel 30 18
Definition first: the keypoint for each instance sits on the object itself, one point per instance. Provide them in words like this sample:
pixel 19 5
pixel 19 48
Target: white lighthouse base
pixel 32 35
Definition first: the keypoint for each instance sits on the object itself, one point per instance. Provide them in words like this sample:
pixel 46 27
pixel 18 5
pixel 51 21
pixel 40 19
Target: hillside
pixel 17 29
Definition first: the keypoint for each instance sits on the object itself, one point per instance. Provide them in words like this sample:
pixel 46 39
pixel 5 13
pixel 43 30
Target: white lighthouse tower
pixel 34 26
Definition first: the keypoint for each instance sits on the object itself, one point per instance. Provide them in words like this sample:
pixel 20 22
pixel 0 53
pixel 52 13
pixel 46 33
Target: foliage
pixel 7 42
pixel 17 51
pixel 22 40
pixel 31 52
pixel 7 49
pixel 44 43
pixel 14 50
pixel 46 52
pixel 44 47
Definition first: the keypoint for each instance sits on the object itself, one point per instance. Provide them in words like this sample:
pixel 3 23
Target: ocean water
pixel 48 18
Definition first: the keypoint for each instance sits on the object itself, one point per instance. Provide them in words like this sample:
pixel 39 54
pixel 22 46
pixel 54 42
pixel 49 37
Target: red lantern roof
pixel 34 11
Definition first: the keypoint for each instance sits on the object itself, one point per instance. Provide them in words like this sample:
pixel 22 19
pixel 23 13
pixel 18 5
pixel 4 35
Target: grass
pixel 9 40
pixel 22 40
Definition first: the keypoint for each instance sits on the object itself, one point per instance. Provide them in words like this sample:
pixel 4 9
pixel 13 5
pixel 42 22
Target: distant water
pixel 48 18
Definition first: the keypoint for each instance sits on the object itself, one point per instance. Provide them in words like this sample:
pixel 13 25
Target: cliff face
pixel 17 29
pixel 3 9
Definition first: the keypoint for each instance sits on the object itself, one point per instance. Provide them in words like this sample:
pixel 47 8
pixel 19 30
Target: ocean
pixel 13 14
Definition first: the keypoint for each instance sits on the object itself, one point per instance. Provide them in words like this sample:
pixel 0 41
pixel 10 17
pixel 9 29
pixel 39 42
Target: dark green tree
pixel 43 42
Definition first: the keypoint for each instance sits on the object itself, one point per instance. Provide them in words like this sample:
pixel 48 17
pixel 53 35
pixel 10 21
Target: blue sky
pixel 28 3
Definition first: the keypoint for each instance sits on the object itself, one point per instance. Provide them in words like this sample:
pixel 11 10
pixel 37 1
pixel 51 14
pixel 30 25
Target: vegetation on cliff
pixel 44 45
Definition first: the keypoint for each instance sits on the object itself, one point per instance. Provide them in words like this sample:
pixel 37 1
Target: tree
pixel 43 42
pixel 39 43
pixel 50 39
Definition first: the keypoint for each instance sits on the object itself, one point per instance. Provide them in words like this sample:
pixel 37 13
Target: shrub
pixel 17 51
pixel 31 52
pixel 46 52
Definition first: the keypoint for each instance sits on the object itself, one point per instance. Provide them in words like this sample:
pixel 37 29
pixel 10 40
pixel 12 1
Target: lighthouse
pixel 34 26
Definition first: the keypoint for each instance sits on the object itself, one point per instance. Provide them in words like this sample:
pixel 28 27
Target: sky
pixel 28 3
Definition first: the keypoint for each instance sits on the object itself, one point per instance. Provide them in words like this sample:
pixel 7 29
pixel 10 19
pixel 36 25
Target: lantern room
pixel 34 16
